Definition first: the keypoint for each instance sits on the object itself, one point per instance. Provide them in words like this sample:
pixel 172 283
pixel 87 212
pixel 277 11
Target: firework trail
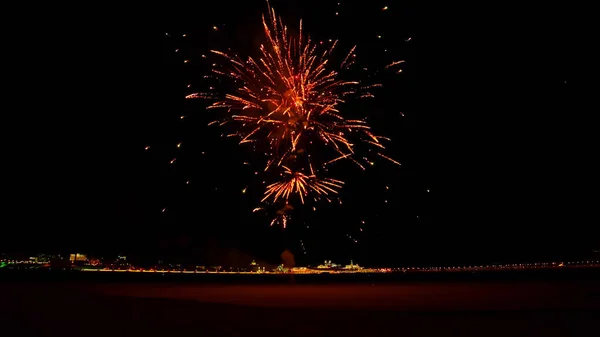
pixel 287 102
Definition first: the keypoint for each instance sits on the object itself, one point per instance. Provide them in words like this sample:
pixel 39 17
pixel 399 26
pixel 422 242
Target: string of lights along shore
pixel 291 105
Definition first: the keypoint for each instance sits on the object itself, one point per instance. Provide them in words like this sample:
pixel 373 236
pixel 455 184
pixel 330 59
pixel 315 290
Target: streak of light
pixel 390 159
pixel 394 64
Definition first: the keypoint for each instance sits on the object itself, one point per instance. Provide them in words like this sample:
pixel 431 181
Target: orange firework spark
pixel 300 184
pixel 282 219
pixel 288 99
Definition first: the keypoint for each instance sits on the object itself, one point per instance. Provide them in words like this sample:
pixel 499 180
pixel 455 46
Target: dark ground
pixel 453 308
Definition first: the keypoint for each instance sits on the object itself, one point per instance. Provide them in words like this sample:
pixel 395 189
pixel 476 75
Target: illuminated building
pixel 254 267
pixel 77 257
pixel 281 269
pixel 328 265
pixel 352 266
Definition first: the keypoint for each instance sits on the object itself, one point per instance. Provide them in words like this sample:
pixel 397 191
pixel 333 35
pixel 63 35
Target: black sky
pixel 491 128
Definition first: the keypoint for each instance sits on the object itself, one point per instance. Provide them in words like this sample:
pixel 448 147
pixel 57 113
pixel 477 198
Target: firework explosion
pixel 287 102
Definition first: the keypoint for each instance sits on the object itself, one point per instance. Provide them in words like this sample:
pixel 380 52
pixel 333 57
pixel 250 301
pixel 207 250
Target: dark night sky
pixel 490 128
